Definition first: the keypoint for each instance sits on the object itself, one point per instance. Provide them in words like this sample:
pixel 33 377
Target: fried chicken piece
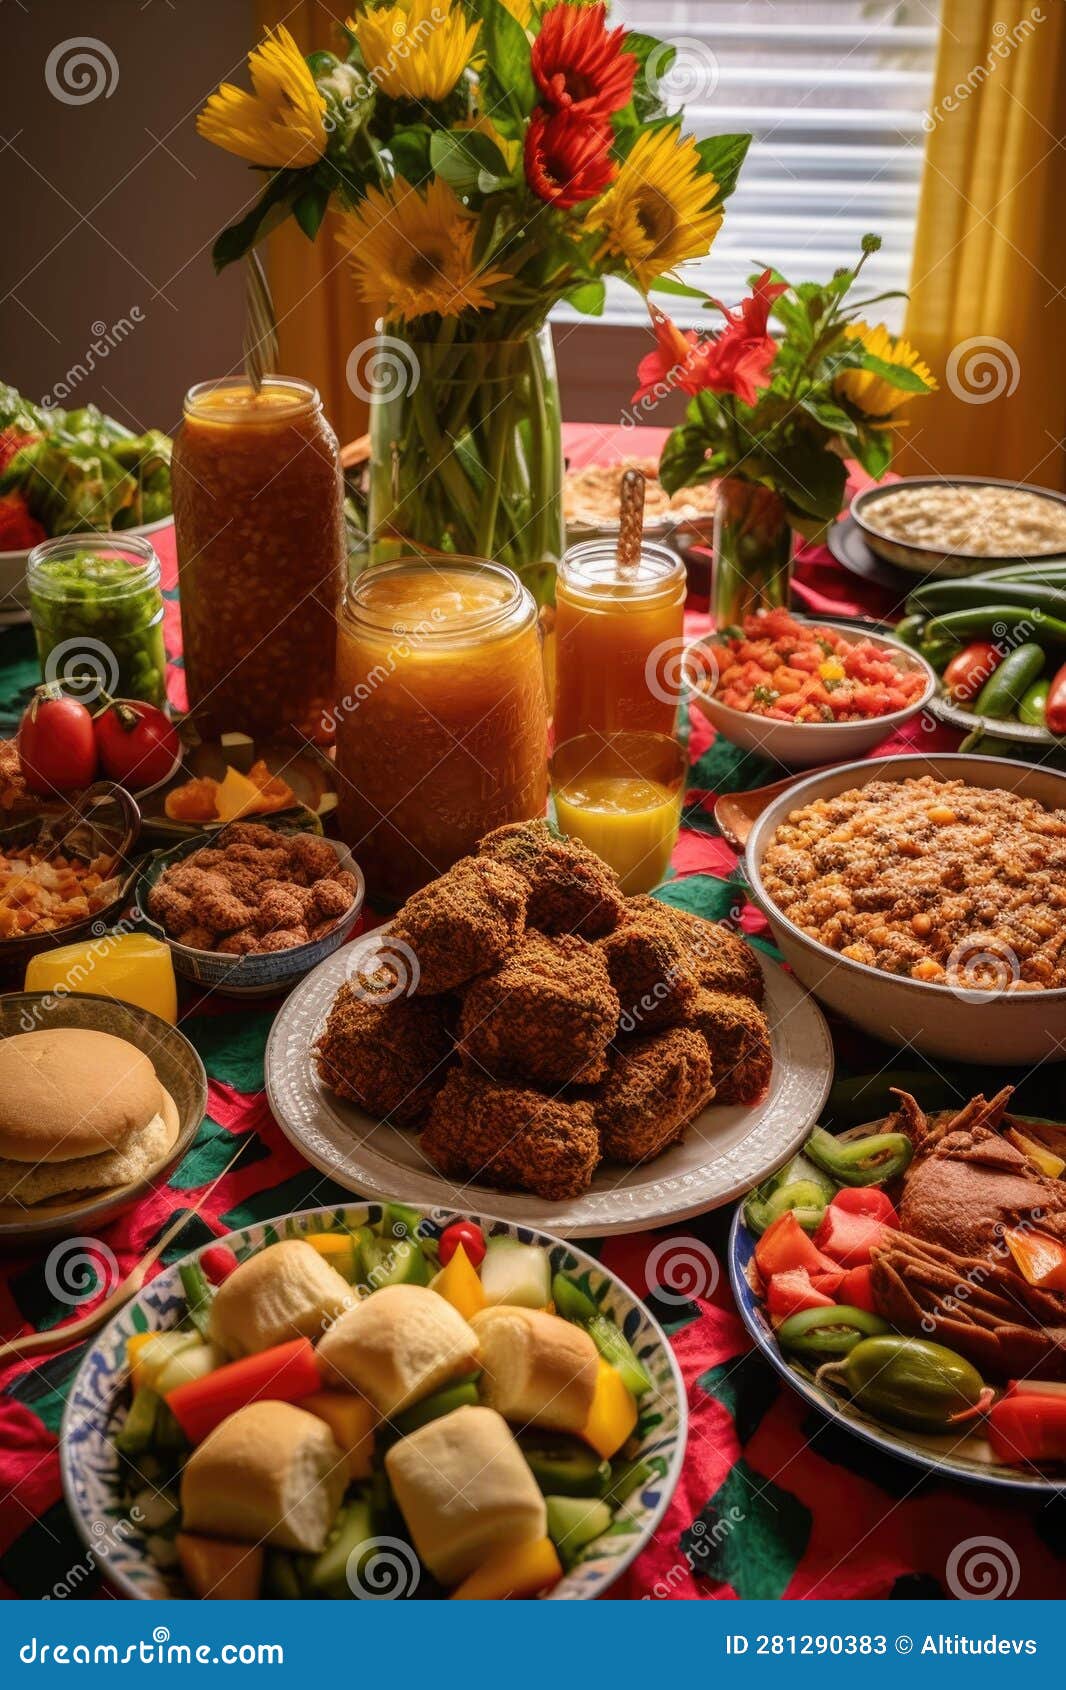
pixel 282 939
pixel 198 938
pixel 240 943
pixel 217 906
pixel 570 889
pixel 511 1136
pixel 281 905
pixel 386 1055
pixel 345 879
pixel 655 1086
pixel 170 906
pixel 459 925
pixel 242 861
pixel 547 1014
pixel 720 960
pixel 251 833
pixel 738 1036
pixel 649 970
pixel 327 902
pixel 311 856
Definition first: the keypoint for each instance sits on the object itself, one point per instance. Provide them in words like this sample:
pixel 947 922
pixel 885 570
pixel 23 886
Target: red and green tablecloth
pixel 774 1501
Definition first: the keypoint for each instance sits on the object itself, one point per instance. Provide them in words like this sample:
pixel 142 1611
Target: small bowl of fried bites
pixel 250 909
pixel 531 1022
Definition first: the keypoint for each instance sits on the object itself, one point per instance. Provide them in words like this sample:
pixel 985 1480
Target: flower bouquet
pixel 772 418
pixel 485 160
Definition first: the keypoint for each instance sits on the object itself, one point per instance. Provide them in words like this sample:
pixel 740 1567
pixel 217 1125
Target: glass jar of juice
pixel 441 716
pixel 97 613
pixel 618 641
pixel 258 514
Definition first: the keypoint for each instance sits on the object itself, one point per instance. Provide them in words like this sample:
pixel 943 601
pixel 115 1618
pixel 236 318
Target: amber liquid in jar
pixel 441 716
pixel 258 514
pixel 618 642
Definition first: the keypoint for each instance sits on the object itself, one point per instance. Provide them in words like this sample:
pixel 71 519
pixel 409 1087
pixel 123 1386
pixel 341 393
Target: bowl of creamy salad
pixel 958 525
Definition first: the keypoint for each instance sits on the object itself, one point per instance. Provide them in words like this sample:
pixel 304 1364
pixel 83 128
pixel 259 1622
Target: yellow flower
pixel 412 254
pixel 874 395
pixel 283 122
pixel 522 10
pixel 656 214
pixel 416 50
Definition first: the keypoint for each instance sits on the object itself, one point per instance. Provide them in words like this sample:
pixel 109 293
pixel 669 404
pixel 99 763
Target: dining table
pixel 774 1500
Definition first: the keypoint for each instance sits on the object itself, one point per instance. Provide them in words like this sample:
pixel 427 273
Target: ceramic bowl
pixel 804 745
pixel 98 1398
pixel 945 1021
pixel 931 560
pixel 259 975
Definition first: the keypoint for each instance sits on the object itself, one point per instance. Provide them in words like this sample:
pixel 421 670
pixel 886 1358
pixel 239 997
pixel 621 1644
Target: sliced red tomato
pixel 784 1246
pixel 866 1200
pixel 790 1292
pixel 848 1238
pixel 857 1289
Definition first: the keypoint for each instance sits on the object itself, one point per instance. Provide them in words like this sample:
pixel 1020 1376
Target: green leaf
pixel 684 458
pixel 310 208
pixel 409 149
pixel 507 74
pixel 810 478
pixel 465 158
pixel 590 298
pixel 270 209
pixel 646 102
pixel 723 155
pixel 908 381
pixel 680 290
pixel 830 415
pixel 873 448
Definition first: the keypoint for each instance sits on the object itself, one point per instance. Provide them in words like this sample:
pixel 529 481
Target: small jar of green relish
pixel 97 614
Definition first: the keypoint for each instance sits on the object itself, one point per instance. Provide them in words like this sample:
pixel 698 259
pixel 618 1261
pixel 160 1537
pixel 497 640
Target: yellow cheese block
pixel 237 796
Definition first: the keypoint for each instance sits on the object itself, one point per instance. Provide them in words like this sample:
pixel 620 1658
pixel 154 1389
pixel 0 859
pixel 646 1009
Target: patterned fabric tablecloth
pixel 774 1501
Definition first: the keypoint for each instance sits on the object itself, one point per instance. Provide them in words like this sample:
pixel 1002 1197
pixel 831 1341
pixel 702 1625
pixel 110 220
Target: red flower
pixel 740 359
pixel 677 361
pixel 568 157
pixel 18 529
pixel 579 64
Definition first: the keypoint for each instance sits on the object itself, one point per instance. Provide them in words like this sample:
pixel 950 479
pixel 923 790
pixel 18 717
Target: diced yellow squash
pixel 525 1570
pixel 337 1248
pixel 352 1420
pixel 613 1414
pixel 219 1571
pixel 1038 1154
pixel 237 795
pixel 134 1345
pixel 460 1284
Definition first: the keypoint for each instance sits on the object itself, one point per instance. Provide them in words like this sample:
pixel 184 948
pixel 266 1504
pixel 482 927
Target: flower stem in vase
pixel 752 552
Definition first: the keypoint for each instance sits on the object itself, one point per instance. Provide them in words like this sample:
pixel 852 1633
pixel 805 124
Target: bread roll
pixel 285 1291
pixel 464 1490
pixel 538 1369
pixel 68 1092
pixel 397 1346
pixel 270 1473
pixel 145 1147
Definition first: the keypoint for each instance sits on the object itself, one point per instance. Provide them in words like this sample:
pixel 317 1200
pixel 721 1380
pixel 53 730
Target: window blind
pixel 834 93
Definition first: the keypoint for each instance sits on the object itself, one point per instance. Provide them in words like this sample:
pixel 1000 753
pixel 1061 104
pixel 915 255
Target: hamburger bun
pixel 268 1473
pixel 539 1370
pixel 68 1092
pixel 397 1346
pixel 285 1291
pixel 29 1183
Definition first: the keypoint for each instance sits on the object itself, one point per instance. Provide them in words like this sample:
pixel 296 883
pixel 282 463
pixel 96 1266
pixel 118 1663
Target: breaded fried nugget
pixel 461 924
pixel 720 959
pixel 649 970
pixel 250 833
pixel 547 1014
pixel 510 1136
pixel 738 1036
pixel 386 1055
pixel 655 1086
pixel 570 889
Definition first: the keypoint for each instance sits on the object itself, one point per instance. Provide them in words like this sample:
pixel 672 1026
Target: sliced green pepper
pixel 806 1200
pixel 571 1301
pixel 824 1332
pixel 862 1161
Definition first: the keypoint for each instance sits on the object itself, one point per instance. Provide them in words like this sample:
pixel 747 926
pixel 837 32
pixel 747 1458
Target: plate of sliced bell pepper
pixel 800 1253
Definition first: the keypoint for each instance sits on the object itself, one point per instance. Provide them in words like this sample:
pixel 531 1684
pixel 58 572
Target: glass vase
pixel 752 552
pixel 466 453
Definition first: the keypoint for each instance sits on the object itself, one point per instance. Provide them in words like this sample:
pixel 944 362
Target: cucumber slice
pixel 626 1477
pixel 573 1521
pixel 516 1273
pixel 571 1301
pixel 194 1363
pixel 396 1261
pixel 462 1394
pixel 613 1346
pixel 329 1571
pixel 399 1221
pixel 564 1467
pixel 160 1350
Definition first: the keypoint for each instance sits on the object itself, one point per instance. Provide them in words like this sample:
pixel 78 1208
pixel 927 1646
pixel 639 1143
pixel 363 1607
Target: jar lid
pixel 592 569
pixel 444 599
pixel 233 399
pixel 101 566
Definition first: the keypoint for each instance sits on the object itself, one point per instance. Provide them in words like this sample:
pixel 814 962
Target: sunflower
pixel 413 254
pixel 283 123
pixel 876 395
pixel 417 50
pixel 658 212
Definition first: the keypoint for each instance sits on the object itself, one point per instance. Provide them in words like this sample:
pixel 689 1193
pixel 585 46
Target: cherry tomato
pixel 969 669
pixel 138 744
pixel 57 751
pixel 469 1236
pixel 1055 713
pixel 218 1262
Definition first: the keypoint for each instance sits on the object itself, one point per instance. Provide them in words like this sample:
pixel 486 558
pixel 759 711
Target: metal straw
pixel 260 325
pixel 631 523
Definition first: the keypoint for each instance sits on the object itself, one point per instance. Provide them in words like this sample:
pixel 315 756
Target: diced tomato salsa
pixel 798 672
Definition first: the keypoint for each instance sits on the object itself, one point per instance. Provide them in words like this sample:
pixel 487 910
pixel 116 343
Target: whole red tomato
pixel 57 751
pixel 137 742
pixel 469 1236
pixel 969 669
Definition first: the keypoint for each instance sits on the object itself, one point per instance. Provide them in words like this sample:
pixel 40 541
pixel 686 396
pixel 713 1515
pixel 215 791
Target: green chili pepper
pixel 939 650
pixel 1007 685
pixel 1033 708
pixel 1000 622
pixel 862 1161
pixel 823 1332
pixel 910 1382
pixel 806 1200
pixel 910 630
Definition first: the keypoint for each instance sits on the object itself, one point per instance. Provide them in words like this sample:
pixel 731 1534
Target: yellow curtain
pixel 986 309
pixel 320 320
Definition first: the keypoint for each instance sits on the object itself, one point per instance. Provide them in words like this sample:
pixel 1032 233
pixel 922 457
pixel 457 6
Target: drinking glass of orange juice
pixel 618 641
pixel 621 795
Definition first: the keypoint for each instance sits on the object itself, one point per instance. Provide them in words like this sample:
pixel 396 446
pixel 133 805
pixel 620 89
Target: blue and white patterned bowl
pixel 98 1399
